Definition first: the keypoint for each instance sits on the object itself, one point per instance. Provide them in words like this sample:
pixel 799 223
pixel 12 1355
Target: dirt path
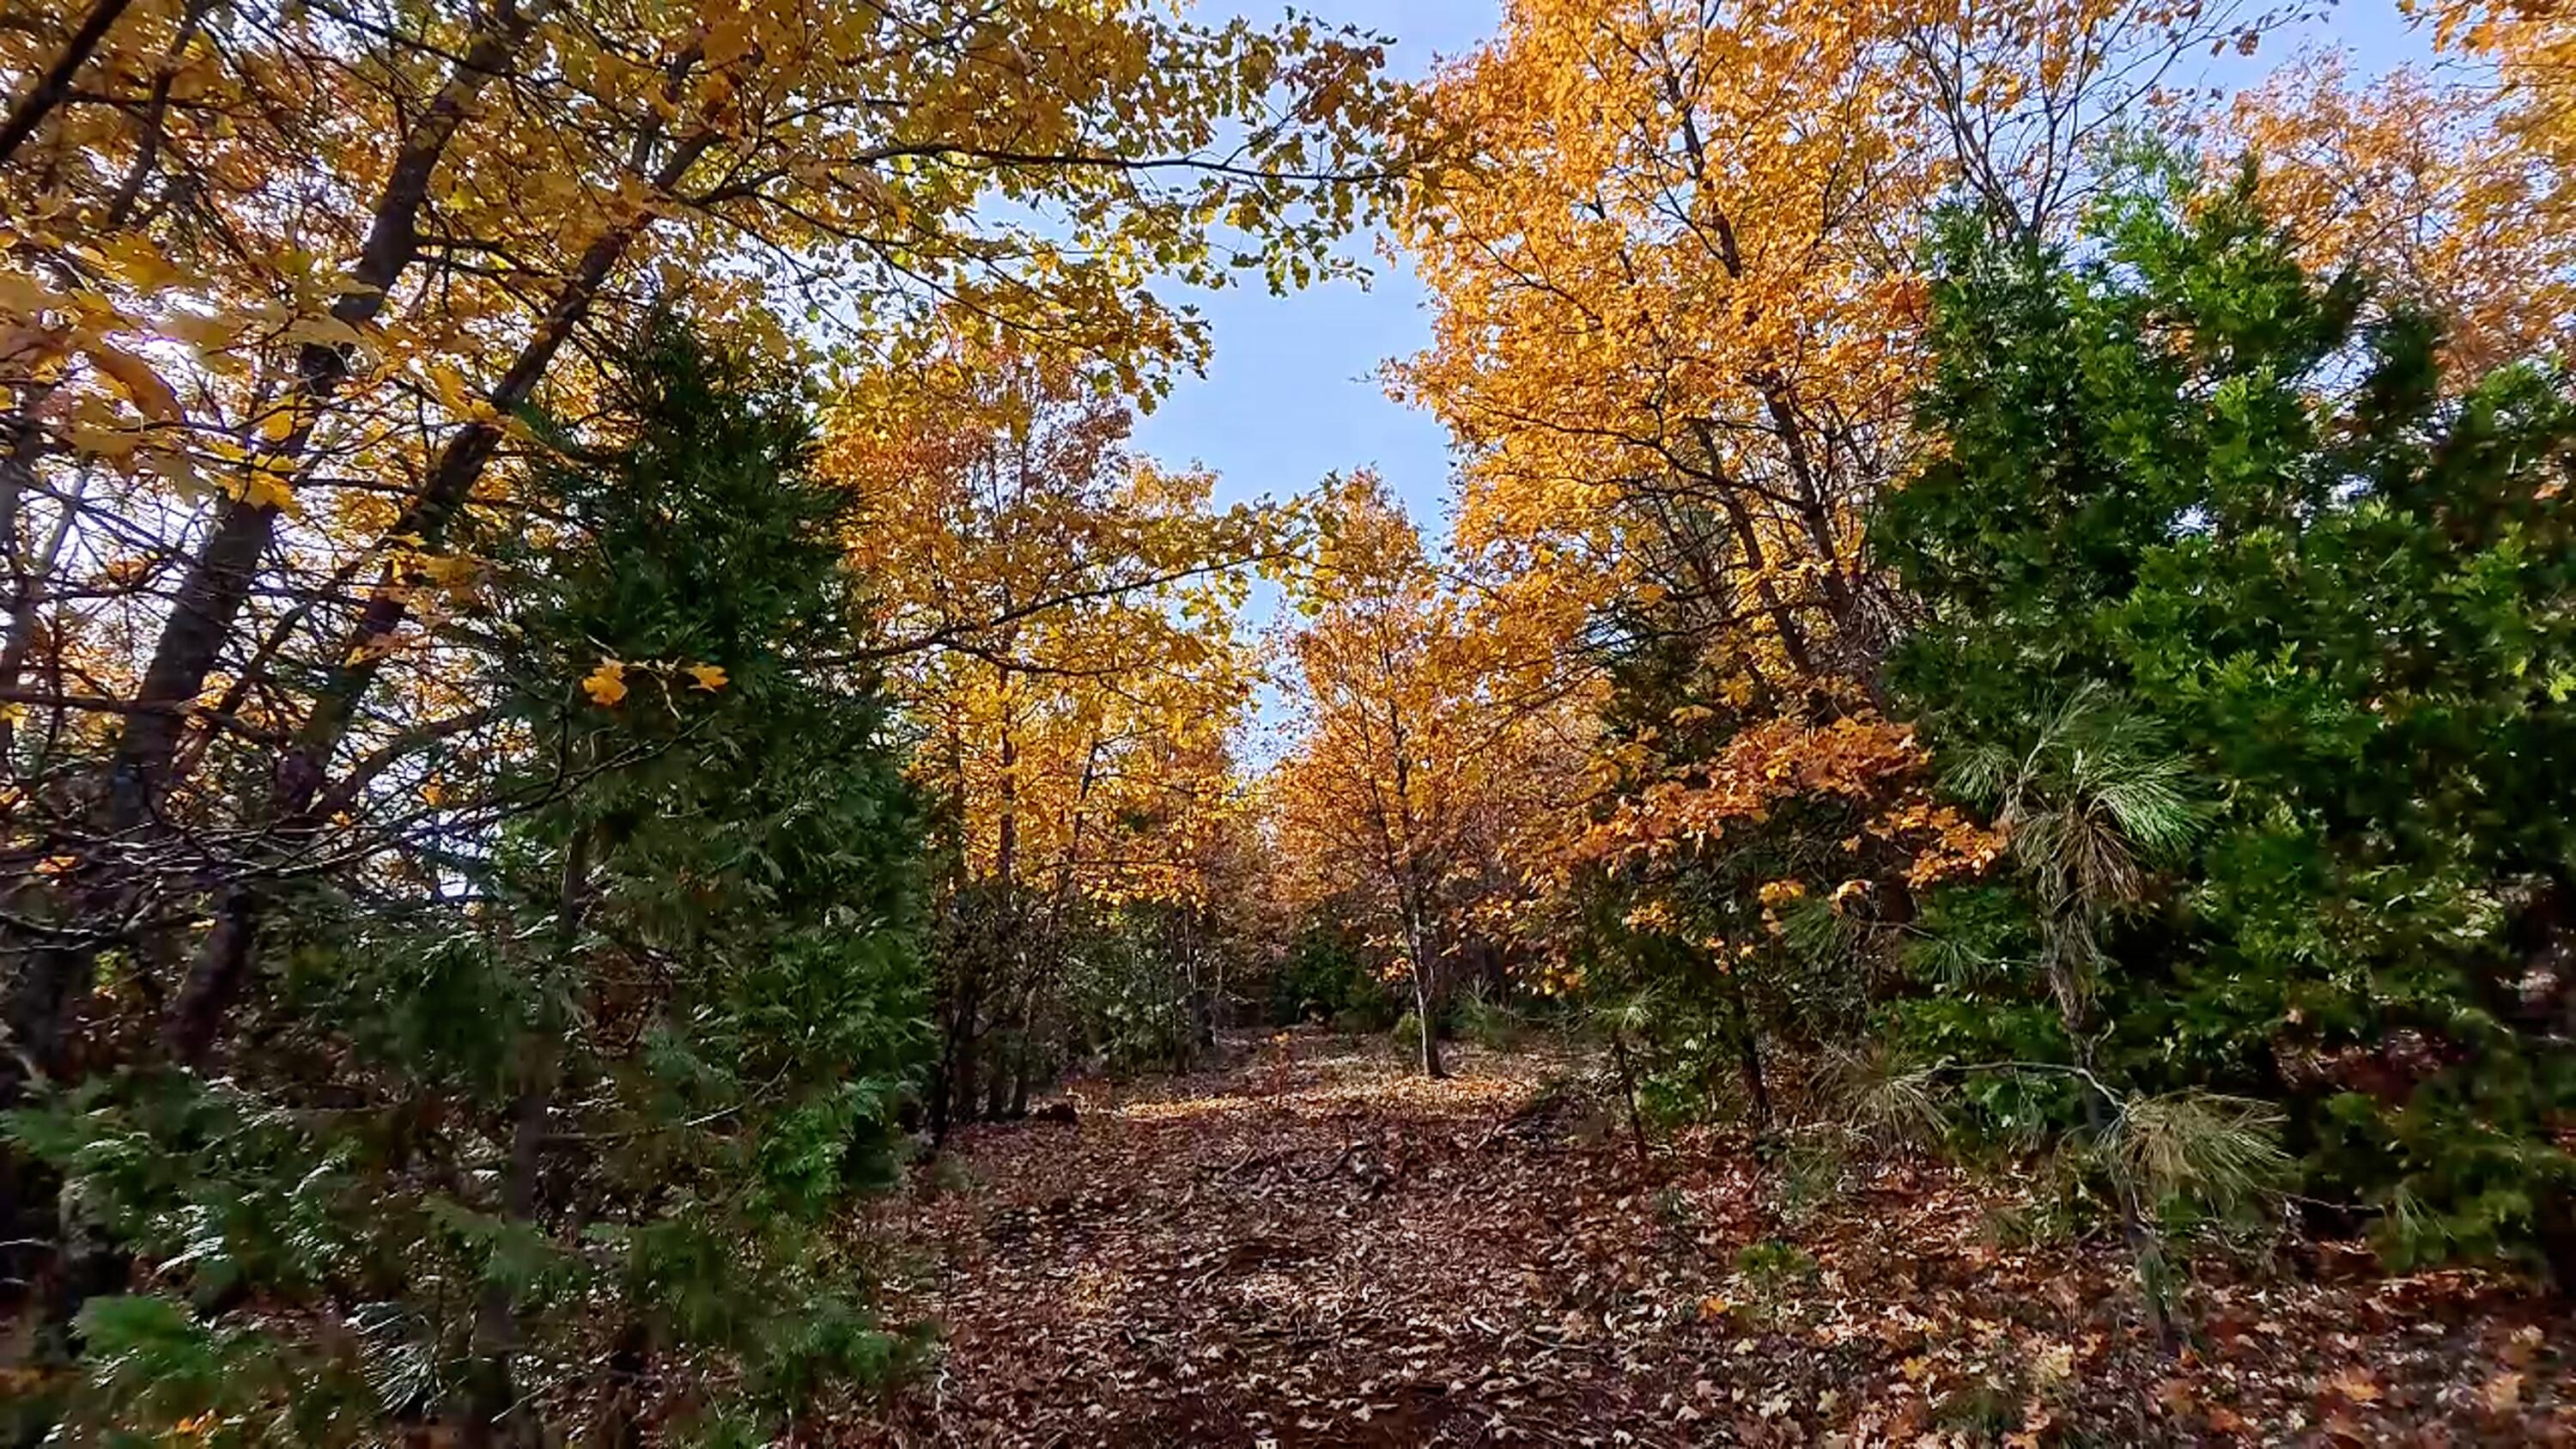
pixel 1318 1248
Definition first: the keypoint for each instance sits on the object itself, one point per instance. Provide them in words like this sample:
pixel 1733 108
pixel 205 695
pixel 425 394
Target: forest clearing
pixel 1317 1247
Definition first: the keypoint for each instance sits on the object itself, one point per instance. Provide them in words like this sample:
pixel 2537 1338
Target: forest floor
pixel 1317 1247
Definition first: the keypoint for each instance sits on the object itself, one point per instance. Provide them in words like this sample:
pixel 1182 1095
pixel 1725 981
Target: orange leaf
pixel 140 382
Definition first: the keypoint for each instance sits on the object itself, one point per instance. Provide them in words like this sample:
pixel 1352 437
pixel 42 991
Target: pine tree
pixel 2265 651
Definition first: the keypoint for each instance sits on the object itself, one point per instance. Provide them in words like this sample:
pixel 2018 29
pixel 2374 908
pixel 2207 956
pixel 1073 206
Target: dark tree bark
pixel 210 597
pixel 56 82
pixel 490 1396
pixel 1426 1009
pixel 218 581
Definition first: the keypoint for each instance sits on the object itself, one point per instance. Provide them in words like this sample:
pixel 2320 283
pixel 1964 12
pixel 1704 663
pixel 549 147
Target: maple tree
pixel 2430 187
pixel 1065 618
pixel 1414 769
pixel 1674 265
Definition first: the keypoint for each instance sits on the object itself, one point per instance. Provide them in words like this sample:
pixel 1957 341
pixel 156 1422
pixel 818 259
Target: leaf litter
pixel 1319 1247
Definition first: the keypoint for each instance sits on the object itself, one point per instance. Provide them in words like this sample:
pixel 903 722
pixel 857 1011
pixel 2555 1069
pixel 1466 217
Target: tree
pixel 1672 256
pixel 557 1104
pixel 2186 495
pixel 1414 768
pixel 2429 186
pixel 1062 622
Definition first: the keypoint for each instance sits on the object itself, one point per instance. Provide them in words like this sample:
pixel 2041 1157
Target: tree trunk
pixel 490 1392
pixel 56 82
pixel 218 580
pixel 1426 1009
pixel 943 1083
pixel 305 765
pixel 1748 1054
pixel 2146 1251
pixel 1628 1091
pixel 214 979
pixel 966 1085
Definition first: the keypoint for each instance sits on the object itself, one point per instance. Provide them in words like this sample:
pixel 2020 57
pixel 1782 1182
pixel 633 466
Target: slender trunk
pixel 965 1080
pixel 997 1082
pixel 1748 1055
pixel 2146 1251
pixel 1216 1005
pixel 27 595
pixel 218 581
pixel 489 1386
pixel 943 1086
pixel 1793 635
pixel 1628 1091
pixel 1426 1009
pixel 622 1396
pixel 490 1390
pixel 195 1019
pixel 25 446
pixel 56 82
pixel 156 111
pixel 984 1097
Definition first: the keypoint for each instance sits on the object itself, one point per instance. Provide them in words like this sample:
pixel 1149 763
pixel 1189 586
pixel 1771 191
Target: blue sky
pixel 1291 393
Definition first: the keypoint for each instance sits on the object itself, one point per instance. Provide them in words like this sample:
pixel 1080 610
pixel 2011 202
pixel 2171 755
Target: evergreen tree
pixel 547 1126
pixel 2265 654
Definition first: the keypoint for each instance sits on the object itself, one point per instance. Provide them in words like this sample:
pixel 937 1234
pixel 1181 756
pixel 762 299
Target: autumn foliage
pixel 592 665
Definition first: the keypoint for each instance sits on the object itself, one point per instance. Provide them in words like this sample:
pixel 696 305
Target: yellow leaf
pixel 141 264
pixel 113 444
pixel 2503 1393
pixel 323 328
pixel 709 677
pixel 2355 1384
pixel 728 40
pixel 606 685
pixel 206 334
pixel 266 488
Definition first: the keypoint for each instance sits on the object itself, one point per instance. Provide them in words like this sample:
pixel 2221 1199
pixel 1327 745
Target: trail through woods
pixel 1315 1247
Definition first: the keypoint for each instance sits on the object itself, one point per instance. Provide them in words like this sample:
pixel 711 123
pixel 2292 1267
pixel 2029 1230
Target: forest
pixel 633 813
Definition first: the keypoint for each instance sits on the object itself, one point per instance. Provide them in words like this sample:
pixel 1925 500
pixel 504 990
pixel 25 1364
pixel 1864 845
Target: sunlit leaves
pixel 1059 615
pixel 1419 784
